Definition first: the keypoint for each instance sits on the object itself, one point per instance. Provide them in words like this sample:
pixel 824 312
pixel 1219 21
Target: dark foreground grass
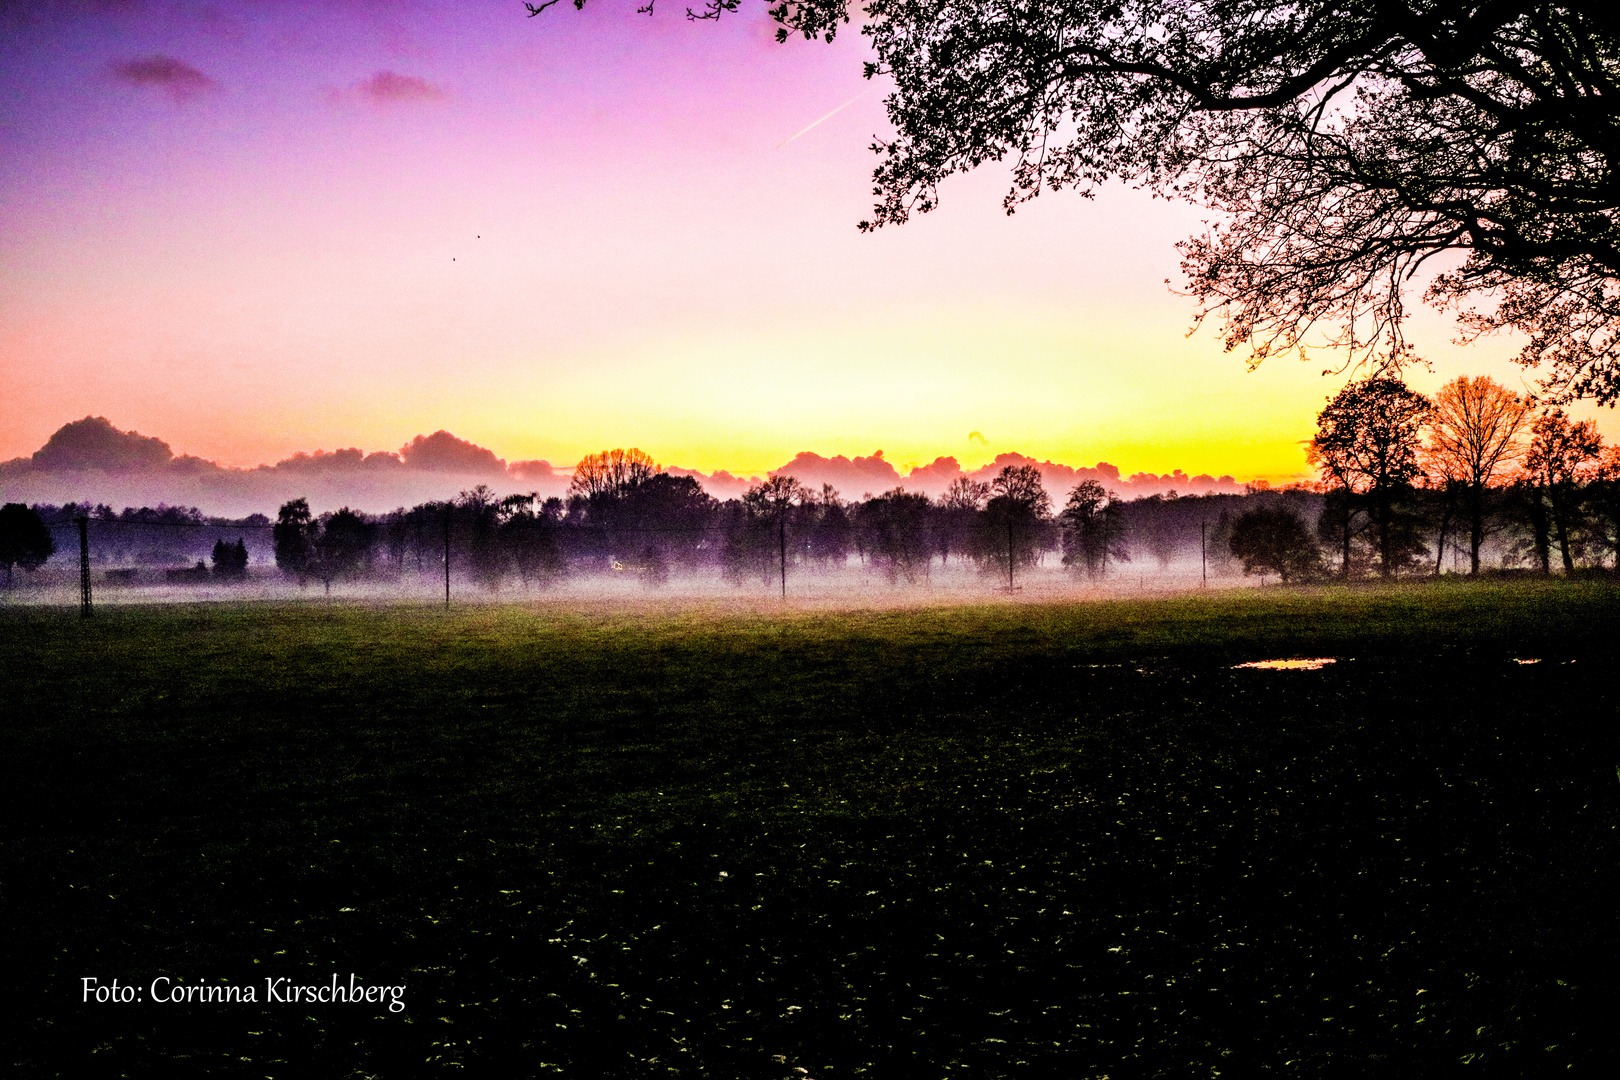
pixel 1005 841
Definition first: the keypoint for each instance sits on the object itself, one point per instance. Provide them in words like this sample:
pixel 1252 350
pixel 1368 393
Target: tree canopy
pixel 1343 144
pixel 24 539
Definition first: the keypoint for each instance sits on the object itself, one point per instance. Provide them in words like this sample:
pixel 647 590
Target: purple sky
pixel 262 227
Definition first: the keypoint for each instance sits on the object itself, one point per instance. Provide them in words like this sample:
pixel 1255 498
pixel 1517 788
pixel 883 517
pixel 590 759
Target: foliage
pixel 1271 540
pixel 1367 442
pixel 1092 530
pixel 896 534
pixel 293 537
pixel 342 546
pixel 1342 146
pixel 1560 456
pixel 230 560
pixel 612 472
pixel 24 539
pixel 1473 437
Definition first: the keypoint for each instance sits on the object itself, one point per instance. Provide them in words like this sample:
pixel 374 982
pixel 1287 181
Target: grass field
pixel 1015 840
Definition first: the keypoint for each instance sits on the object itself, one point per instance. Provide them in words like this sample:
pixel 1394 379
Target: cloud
pixel 175 77
pixel 348 460
pixel 443 452
pixel 932 479
pixel 535 470
pixel 857 475
pixel 978 437
pixel 720 483
pixel 93 443
pixel 392 88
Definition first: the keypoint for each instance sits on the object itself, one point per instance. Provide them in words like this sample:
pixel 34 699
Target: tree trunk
pixel 1349 516
pixel 1560 518
pixel 1381 503
pixel 1476 526
pixel 1445 521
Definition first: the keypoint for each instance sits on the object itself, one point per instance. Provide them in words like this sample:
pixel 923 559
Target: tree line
pixel 1399 472
pixel 625 515
pixel 1402 479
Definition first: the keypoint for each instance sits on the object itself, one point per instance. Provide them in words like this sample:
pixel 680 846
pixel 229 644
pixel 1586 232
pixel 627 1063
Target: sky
pixel 262 227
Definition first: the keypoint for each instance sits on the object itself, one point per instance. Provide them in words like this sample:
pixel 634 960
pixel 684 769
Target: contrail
pixel 813 123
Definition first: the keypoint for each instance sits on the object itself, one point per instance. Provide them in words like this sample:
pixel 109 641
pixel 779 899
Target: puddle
pixel 1289 665
pixel 1516 660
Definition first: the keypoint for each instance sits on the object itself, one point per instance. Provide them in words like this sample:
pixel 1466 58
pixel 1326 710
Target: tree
pixel 831 530
pixel 612 472
pixel 24 539
pixel 230 560
pixel 895 531
pixel 958 516
pixel 1367 441
pixel 1271 540
pixel 529 538
pixel 1603 498
pixel 1473 438
pixel 1092 529
pixel 343 546
pixel 294 539
pixel 1343 144
pixel 1018 512
pixel 1560 456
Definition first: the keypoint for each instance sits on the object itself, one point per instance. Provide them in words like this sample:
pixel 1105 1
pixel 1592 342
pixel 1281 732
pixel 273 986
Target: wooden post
pixel 1203 552
pixel 84 566
pixel 781 544
pixel 447 558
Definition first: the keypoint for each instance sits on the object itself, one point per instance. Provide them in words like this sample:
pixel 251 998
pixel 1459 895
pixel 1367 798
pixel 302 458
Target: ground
pixel 667 839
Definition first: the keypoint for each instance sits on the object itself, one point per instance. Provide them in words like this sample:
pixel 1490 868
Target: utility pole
pixel 447 558
pixel 781 544
pixel 84 566
pixel 1203 552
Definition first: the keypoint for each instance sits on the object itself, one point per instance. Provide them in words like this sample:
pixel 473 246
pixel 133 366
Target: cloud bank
pixel 93 460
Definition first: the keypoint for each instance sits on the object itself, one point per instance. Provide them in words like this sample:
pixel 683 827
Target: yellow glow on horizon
pixel 1073 387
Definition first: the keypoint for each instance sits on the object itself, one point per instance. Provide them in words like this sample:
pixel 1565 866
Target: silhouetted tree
pixel 1472 439
pixel 294 533
pixel 1557 462
pixel 612 472
pixel 24 539
pixel 1367 442
pixel 959 510
pixel 830 531
pixel 230 560
pixel 1603 495
pixel 1271 540
pixel 342 548
pixel 1015 518
pixel 665 518
pixel 1093 531
pixel 529 535
pixel 896 534
pixel 477 515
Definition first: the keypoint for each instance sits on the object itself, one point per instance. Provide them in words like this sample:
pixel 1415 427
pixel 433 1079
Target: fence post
pixel 447 558
pixel 1203 551
pixel 781 544
pixel 84 566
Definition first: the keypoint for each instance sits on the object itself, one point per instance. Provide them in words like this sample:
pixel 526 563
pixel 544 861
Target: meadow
pixel 686 839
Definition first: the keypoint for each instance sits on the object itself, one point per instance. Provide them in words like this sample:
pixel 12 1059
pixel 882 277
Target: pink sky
pixel 262 228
